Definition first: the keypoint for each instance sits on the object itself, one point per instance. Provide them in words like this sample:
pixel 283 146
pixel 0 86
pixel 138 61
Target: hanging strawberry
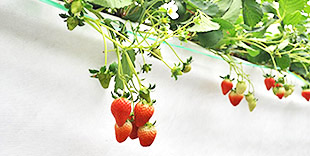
pixel 226 84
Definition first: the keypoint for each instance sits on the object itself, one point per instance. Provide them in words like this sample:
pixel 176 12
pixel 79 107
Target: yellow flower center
pixel 170 11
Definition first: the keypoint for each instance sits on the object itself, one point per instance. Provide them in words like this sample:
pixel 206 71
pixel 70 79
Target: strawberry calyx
pixel 149 124
pixel 144 93
pixel 305 87
pixel 250 97
pixel 187 65
pixel 269 76
pixel 227 77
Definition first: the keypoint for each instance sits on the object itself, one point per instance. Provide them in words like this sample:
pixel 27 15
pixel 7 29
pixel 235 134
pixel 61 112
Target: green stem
pixel 174 52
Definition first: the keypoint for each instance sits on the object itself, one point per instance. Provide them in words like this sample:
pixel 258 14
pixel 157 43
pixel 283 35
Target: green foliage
pixel 225 25
pixel 290 11
pixel 204 24
pixel 232 14
pixel 207 7
pixel 126 64
pixel 252 12
pixel 283 61
pixel 210 39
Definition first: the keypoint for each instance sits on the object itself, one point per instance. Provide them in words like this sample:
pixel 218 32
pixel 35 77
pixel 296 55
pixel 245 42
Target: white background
pixel 50 107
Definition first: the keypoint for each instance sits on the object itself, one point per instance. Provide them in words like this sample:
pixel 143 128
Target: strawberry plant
pixel 268 33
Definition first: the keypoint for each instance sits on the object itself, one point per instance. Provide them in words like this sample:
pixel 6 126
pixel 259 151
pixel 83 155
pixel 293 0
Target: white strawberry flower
pixel 172 9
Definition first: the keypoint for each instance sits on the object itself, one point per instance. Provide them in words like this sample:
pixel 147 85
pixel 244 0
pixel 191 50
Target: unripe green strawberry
pixel 72 22
pixel 252 105
pixel 76 6
pixel 186 68
pixel 157 53
pixel 249 97
pixel 241 87
pixel 288 92
pixel 104 79
pixel 144 93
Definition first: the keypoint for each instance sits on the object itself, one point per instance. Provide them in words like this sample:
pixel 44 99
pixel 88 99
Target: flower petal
pixel 174 8
pixel 174 15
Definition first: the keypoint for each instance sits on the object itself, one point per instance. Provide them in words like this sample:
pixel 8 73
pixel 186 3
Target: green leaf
pixel 252 12
pixel 283 61
pixel 262 57
pixel 210 39
pixel 269 8
pixel 293 18
pixel 252 52
pixel 225 25
pixel 118 83
pixel 205 24
pixel 125 64
pixel 307 9
pixel 93 71
pixel 289 6
pixel 207 7
pixel 298 68
pixel 232 14
pixel 112 3
pixel 223 6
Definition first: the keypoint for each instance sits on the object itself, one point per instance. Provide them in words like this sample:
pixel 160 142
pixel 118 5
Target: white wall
pixel 49 106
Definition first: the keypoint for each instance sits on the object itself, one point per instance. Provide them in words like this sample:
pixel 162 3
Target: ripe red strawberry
pixel 270 82
pixel 143 112
pixel 226 85
pixel 134 132
pixel 306 94
pixel 235 98
pixel 121 109
pixel 147 134
pixel 122 133
pixel 279 92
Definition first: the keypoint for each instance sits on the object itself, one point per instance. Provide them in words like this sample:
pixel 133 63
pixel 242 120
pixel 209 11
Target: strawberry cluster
pixel 133 125
pixel 279 87
pixel 237 94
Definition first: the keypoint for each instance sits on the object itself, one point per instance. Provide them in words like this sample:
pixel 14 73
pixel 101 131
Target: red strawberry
pixel 143 112
pixel 226 85
pixel 134 132
pixel 306 94
pixel 279 92
pixel 235 98
pixel 279 85
pixel 147 134
pixel 123 132
pixel 270 82
pixel 121 109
